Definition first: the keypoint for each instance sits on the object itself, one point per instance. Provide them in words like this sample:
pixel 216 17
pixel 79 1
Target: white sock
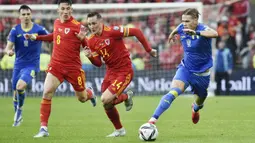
pixel 152 119
pixel 45 128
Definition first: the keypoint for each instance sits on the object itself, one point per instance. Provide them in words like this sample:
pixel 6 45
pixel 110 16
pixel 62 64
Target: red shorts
pixel 76 77
pixel 117 82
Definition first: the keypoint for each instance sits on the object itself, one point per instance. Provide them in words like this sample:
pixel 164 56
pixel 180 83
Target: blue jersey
pixel 27 51
pixel 197 50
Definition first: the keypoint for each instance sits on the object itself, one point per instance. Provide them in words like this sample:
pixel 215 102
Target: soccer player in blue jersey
pixel 194 69
pixel 27 57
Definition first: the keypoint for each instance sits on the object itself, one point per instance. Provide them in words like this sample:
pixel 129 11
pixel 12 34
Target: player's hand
pixel 87 52
pixel 189 31
pixel 10 52
pixel 30 36
pixel 82 34
pixel 153 53
pixel 171 38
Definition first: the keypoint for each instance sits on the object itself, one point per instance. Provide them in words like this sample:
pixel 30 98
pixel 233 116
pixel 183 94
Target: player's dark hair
pixel 24 7
pixel 65 1
pixel 192 12
pixel 92 14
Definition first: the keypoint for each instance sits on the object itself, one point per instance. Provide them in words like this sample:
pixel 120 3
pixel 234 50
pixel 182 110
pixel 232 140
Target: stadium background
pixel 152 76
pixel 223 119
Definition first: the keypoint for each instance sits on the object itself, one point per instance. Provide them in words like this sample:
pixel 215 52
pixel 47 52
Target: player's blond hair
pixel 192 12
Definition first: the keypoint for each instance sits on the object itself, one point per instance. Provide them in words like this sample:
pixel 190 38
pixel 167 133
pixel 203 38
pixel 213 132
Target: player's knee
pixel 48 93
pixel 81 96
pixel 82 99
pixel 105 100
pixel 20 86
pixel 108 106
pixel 175 91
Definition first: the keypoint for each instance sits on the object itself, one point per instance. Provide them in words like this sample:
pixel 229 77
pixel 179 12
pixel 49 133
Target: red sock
pixel 45 111
pixel 113 115
pixel 120 99
pixel 89 94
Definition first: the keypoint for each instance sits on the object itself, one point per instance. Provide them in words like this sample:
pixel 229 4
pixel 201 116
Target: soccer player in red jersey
pixel 107 43
pixel 65 63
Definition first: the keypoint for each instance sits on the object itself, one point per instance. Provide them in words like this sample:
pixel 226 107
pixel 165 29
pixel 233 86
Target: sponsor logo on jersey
pixel 116 28
pixel 59 30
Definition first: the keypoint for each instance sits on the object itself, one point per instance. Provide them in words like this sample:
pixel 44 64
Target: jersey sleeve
pixel 48 37
pixel 119 31
pixel 203 27
pixel 12 35
pixel 180 28
pixel 95 59
pixel 206 28
pixel 140 36
pixel 84 43
pixel 43 31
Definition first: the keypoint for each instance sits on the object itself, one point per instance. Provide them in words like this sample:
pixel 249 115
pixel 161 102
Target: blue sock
pixel 18 115
pixel 21 97
pixel 196 107
pixel 15 103
pixel 166 101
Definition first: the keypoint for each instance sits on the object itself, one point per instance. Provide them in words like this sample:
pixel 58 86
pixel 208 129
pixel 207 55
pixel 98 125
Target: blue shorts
pixel 199 82
pixel 25 74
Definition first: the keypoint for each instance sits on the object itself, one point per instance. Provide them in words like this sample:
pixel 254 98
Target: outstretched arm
pixel 48 37
pixel 120 32
pixel 208 32
pixel 171 35
pixel 139 35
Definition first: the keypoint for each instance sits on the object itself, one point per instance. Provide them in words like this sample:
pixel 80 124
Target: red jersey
pixel 66 46
pixel 110 46
pixel 241 9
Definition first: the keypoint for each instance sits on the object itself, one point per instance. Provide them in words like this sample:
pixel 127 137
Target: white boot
pixel 118 133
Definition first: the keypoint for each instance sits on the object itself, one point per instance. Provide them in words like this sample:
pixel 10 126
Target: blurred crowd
pixel 236 32
pixel 104 1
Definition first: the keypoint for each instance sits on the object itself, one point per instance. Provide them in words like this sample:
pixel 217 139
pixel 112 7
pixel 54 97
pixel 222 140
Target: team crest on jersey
pixel 67 30
pixel 188 41
pixel 107 41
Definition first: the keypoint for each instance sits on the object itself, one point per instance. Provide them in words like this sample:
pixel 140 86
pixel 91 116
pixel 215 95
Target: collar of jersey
pixel 70 19
pixel 27 29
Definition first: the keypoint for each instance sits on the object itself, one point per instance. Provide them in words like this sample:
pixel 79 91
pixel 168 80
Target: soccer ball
pixel 148 132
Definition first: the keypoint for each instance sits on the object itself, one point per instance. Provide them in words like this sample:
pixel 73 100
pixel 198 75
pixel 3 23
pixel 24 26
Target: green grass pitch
pixel 223 120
